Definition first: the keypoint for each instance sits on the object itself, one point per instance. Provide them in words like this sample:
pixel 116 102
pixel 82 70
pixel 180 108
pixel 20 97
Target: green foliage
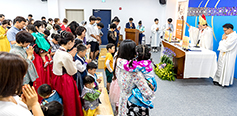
pixel 165 69
pixel 166 59
pixel 166 73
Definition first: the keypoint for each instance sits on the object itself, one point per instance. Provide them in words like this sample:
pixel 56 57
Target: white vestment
pixel 155 35
pixel 226 62
pixel 206 38
pixel 193 34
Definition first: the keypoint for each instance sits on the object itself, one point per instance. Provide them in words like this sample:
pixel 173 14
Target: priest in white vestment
pixel 194 33
pixel 156 34
pixel 203 37
pixel 226 62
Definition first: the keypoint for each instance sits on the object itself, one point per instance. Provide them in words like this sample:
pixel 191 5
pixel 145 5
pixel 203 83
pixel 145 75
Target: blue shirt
pixel 53 97
pixel 11 34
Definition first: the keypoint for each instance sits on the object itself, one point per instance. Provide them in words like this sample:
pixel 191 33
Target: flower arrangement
pixel 165 69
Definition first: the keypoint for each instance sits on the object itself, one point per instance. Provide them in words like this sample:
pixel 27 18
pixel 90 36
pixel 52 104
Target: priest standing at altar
pixel 226 62
pixel 205 35
pixel 194 33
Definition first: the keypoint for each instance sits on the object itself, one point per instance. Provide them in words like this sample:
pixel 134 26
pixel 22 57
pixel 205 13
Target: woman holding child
pixel 129 80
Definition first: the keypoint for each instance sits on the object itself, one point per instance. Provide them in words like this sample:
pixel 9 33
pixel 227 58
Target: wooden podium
pixel 132 34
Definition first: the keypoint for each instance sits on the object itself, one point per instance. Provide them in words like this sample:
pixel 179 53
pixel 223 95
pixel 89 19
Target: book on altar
pixel 185 42
pixel 168 36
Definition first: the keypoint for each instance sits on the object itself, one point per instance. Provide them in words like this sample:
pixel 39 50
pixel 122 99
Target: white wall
pixel 13 8
pixel 171 12
pixel 145 10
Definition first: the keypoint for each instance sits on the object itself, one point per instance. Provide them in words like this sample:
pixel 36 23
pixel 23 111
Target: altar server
pixel 155 35
pixel 226 62
pixel 168 26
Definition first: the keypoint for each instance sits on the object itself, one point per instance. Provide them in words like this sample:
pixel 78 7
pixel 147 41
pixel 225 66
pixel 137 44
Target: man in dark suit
pixel 130 24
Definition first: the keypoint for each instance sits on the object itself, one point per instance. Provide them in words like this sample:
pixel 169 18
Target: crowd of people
pixel 49 68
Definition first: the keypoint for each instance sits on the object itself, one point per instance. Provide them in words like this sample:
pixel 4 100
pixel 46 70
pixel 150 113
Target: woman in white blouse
pixel 64 68
pixel 12 71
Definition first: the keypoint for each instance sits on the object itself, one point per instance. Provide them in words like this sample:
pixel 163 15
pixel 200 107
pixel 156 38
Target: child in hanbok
pixel 144 65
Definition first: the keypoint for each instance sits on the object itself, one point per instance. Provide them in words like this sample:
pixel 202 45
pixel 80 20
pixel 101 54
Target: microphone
pixel 197 45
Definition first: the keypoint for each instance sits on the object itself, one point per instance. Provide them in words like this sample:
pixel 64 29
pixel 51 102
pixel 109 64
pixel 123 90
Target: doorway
pixel 75 15
pixel 105 16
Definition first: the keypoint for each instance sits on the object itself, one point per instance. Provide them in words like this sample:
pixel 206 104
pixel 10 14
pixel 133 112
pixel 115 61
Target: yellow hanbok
pixel 4 43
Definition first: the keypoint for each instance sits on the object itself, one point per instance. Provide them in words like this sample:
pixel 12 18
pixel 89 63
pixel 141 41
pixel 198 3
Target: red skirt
pixel 67 89
pixel 45 74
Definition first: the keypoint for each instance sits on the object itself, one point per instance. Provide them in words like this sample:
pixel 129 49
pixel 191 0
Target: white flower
pixel 136 109
pixel 145 63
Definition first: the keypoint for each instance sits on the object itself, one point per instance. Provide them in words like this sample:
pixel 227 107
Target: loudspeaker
pixel 162 2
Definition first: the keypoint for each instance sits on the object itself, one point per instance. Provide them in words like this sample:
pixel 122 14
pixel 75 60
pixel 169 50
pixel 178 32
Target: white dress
pixel 155 35
pixel 12 109
pixel 226 62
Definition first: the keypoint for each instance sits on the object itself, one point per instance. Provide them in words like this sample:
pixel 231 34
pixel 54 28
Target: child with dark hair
pixel 72 27
pixel 116 21
pixel 141 29
pixel 81 63
pixel 48 95
pixel 9 24
pixel 23 39
pixel 53 108
pixel 31 22
pixel 30 28
pixel 90 96
pixel 57 21
pixel 111 36
pixel 81 33
pixel 64 24
pixel 98 19
pixel 46 34
pixel 42 46
pixel 54 43
pixel 49 24
pixel 99 33
pixel 109 64
pixel 56 30
pixel 64 68
pixel 92 38
pixel 129 80
pixel 43 61
pixel 91 69
pixel 142 64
